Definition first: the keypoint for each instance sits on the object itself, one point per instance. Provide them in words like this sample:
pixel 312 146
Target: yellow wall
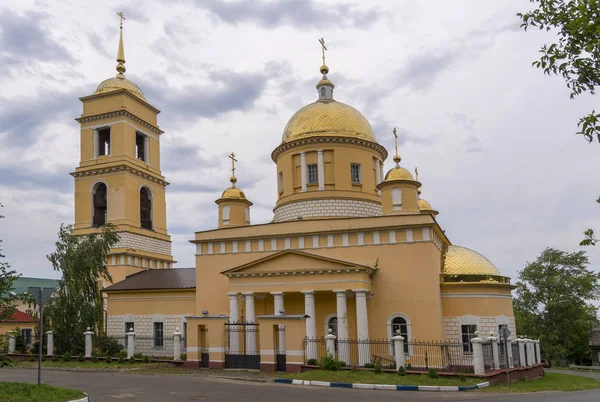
pixel 479 300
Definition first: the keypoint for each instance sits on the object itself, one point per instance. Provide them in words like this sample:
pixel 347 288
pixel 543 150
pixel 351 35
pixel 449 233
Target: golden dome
pixel 398 173
pixel 233 193
pixel 325 81
pixel 424 205
pixel 329 119
pixel 112 84
pixel 463 261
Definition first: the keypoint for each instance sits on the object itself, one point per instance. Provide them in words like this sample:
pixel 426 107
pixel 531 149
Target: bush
pixel 107 345
pixel 462 378
pixel 341 363
pixel 6 361
pixel 328 363
pixel 80 358
pixel 108 359
pixel 402 371
pixel 183 356
pixel 521 378
pixel 369 365
pixel 55 358
pixel 138 355
pixel 377 369
pixel 122 354
pixel 132 359
pixel 408 366
pixel 432 373
pixel 43 358
pixel 94 358
pixel 31 358
pixel 121 359
pixel 392 366
pixel 67 357
pixel 146 359
pixel 312 362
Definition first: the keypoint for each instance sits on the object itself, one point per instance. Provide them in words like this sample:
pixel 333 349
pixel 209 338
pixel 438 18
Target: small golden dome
pixel 233 193
pixel 463 261
pixel 327 119
pixel 325 81
pixel 424 205
pixel 398 173
pixel 112 84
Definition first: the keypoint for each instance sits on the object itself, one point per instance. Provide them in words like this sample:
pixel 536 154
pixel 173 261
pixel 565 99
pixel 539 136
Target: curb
pixel 84 399
pixel 388 387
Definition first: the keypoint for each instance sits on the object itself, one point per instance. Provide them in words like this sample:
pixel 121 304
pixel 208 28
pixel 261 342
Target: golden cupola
pixel 234 207
pixel 119 81
pixel 463 266
pixel 329 162
pixel 424 205
pixel 399 189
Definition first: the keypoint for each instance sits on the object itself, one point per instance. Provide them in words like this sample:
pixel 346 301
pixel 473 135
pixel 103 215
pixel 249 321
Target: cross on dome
pixel 324 87
pixel 233 180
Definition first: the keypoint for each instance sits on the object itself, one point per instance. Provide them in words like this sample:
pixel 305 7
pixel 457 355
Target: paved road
pixel 589 374
pixel 138 387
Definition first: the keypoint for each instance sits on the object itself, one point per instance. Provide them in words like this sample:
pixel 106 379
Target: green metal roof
pixel 22 283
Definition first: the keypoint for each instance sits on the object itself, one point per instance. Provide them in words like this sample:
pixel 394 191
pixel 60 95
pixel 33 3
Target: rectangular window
pixel 158 335
pixel 313 173
pixel 140 146
pixel 104 141
pixel 26 335
pixel 280 182
pixel 355 173
pixel 468 333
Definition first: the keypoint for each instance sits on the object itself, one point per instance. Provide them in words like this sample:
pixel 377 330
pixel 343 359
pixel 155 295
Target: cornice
pixel 119 169
pixel 299 272
pixel 109 115
pixel 320 140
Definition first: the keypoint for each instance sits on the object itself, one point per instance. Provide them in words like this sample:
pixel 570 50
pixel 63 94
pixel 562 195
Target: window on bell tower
pixel 141 152
pixel 103 145
pixel 145 208
pixel 100 205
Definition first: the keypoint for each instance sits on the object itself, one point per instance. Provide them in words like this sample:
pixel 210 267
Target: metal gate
pixel 280 348
pixel 241 338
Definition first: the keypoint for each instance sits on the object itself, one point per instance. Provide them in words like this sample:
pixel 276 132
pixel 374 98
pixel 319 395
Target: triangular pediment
pixel 295 261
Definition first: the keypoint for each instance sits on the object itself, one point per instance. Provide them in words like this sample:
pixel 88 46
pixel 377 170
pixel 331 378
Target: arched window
pixel 323 92
pixel 332 325
pixel 399 322
pixel 396 199
pixel 100 205
pixel 146 208
pixel 225 215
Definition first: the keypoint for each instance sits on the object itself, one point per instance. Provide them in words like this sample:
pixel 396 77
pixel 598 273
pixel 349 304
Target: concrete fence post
pixel 537 349
pixel 399 350
pixel 478 366
pixel 330 344
pixel 531 353
pixel 509 351
pixel 495 352
pixel 521 343
pixel 176 344
pixel 88 342
pixel 12 343
pixel 130 343
pixel 50 343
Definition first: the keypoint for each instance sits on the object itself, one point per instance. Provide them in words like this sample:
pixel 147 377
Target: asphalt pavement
pixel 141 387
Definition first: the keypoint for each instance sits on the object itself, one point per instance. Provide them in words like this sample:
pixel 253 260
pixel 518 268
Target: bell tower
pixel 118 179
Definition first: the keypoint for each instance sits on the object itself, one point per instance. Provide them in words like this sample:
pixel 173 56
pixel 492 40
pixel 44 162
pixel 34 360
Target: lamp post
pixel 41 295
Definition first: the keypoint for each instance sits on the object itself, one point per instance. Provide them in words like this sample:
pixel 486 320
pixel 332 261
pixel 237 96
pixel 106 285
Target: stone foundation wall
pixel 144 243
pixel 315 208
pixel 452 326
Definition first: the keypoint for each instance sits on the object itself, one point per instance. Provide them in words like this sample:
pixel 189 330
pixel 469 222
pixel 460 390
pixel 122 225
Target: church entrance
pixel 242 350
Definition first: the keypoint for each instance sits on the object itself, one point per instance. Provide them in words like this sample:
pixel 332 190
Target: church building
pixel 352 250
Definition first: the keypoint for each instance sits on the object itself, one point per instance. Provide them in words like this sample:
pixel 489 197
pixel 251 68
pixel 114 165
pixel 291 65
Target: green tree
pixel 7 279
pixel 576 54
pixel 554 303
pixel 78 304
pixel 590 238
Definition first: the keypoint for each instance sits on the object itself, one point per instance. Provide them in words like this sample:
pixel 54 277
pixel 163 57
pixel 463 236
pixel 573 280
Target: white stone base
pixel 143 243
pixel 326 208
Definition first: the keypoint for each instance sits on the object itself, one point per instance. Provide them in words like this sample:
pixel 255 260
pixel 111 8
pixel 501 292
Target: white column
pixel 399 350
pixel 303 169
pixel 50 343
pixel 530 353
pixel 378 176
pixel 234 338
pixel 521 343
pixel 130 343
pixel 321 170
pixel 330 344
pixel 478 366
pixel 279 310
pixel 342 326
pixel 537 348
pixel 176 344
pixel 250 329
pixel 495 353
pixel 362 326
pixel 311 328
pixel 12 343
pixel 381 171
pixel 88 342
pixel 95 144
pixel 147 149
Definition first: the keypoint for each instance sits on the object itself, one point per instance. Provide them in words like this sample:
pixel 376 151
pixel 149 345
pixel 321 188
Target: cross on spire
pixel 121 53
pixel 233 161
pixel 323 48
pixel 120 14
pixel 416 173
pixel 397 158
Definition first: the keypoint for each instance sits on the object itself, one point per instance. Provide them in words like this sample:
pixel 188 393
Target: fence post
pixel 88 342
pixel 399 350
pixel 495 352
pixel 537 349
pixel 130 343
pixel 176 344
pixel 478 366
pixel 50 343
pixel 521 343
pixel 531 351
pixel 12 343
pixel 330 344
pixel 510 352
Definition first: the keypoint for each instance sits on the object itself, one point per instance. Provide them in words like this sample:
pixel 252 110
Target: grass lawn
pixel 368 377
pixel 550 382
pixel 17 392
pixel 101 364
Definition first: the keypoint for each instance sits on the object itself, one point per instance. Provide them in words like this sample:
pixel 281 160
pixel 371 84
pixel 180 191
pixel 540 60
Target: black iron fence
pixel 516 357
pixel 488 356
pixel 419 355
pixel 502 355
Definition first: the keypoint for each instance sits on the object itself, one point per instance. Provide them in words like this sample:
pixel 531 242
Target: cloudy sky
pixel 492 137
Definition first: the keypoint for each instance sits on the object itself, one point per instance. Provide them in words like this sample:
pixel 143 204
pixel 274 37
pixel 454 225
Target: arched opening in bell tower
pixel 146 208
pixel 100 204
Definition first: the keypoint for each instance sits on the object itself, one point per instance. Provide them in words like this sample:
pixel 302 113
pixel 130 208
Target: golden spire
pixel 233 180
pixel 121 53
pixel 397 157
